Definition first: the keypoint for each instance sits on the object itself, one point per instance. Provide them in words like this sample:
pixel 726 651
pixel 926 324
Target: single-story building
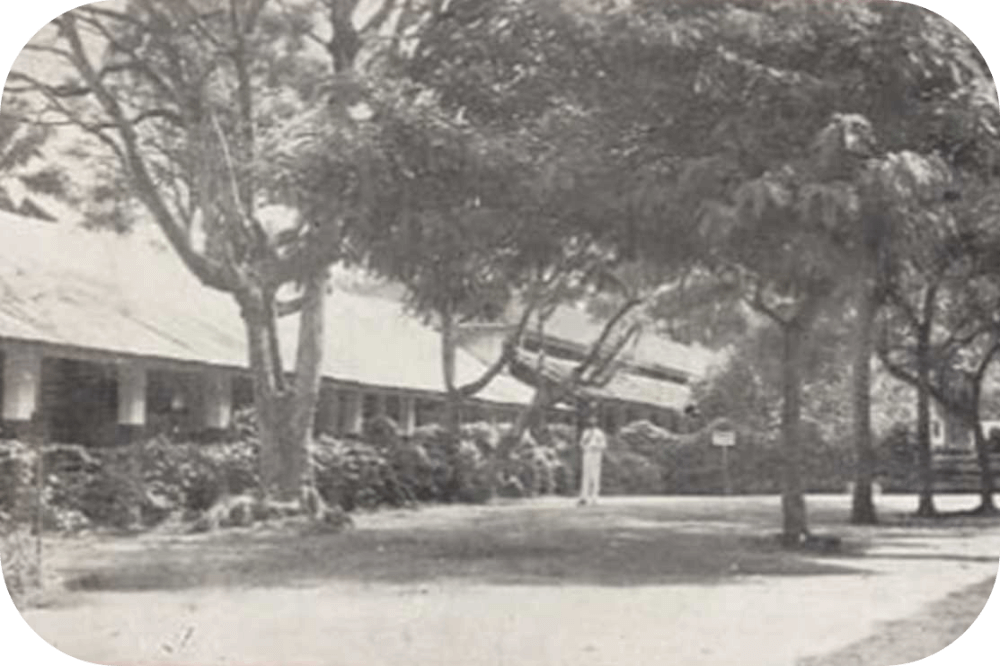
pixel 653 374
pixel 108 338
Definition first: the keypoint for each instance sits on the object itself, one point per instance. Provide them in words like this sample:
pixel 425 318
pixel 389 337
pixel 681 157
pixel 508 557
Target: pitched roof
pixel 624 386
pixel 579 328
pixel 100 291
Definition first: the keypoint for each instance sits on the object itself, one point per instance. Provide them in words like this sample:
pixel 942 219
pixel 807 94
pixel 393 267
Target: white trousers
pixel 590 483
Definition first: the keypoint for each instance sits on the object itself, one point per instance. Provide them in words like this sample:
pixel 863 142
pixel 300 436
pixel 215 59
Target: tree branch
pixel 137 62
pixel 599 374
pixel 51 50
pixel 903 306
pixel 207 271
pixel 313 250
pixel 596 349
pixel 54 100
pixel 289 307
pixel 758 304
pixel 345 43
pixel 379 17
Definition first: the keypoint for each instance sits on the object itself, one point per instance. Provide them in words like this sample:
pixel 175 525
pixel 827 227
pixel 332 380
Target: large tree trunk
pixel 285 412
pixel 308 376
pixel 925 507
pixel 862 506
pixel 793 504
pixel 453 396
pixel 452 421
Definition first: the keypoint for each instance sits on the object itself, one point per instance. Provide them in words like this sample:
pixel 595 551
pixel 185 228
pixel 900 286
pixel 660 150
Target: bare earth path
pixel 651 580
pixel 913 638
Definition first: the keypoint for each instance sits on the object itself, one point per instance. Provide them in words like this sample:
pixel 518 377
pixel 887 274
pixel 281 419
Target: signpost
pixel 724 439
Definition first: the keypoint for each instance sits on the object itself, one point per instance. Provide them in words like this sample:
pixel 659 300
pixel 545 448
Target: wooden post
pixel 727 484
pixel 39 437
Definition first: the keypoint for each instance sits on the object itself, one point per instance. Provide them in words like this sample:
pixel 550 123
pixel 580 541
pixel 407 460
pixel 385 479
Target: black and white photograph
pixel 499 333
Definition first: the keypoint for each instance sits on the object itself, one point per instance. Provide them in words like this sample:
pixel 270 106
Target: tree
pixel 951 320
pixel 495 166
pixel 193 98
pixel 21 153
pixel 555 383
pixel 757 62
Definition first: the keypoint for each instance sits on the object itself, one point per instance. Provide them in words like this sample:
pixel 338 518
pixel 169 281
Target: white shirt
pixel 593 440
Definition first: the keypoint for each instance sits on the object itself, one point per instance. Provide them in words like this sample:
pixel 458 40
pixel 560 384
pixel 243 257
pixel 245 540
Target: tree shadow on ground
pixel 939 557
pixel 619 545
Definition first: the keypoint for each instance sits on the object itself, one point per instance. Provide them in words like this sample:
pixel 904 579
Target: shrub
pixel 21 571
pixel 628 473
pixel 17 474
pixel 690 464
pixel 535 467
pixel 235 465
pixel 355 475
pixel 898 461
pixel 418 473
pixel 114 496
pixel 485 436
pixel 382 432
pixel 459 471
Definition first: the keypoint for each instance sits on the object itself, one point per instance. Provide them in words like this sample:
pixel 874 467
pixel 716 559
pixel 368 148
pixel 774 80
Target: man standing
pixel 592 444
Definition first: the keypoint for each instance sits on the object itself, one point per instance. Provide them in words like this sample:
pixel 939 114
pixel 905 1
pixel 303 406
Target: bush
pixel 459 471
pixel 19 561
pixel 354 475
pixel 17 474
pixel 382 432
pixel 690 464
pixel 628 473
pixel 418 473
pixel 535 467
pixel 898 459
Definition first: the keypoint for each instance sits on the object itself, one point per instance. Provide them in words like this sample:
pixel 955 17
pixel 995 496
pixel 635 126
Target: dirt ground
pixel 666 580
pixel 913 638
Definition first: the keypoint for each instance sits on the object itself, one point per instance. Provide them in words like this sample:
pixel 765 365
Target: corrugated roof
pixel 100 291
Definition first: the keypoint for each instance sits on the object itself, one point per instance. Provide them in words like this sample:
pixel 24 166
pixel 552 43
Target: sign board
pixel 724 438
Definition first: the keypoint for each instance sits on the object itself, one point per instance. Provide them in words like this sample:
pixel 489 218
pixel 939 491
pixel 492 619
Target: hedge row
pixel 148 482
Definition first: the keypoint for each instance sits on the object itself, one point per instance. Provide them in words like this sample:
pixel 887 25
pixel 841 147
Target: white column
pixel 131 394
pixel 218 400
pixel 354 413
pixel 380 407
pixel 408 415
pixel 494 422
pixel 22 379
